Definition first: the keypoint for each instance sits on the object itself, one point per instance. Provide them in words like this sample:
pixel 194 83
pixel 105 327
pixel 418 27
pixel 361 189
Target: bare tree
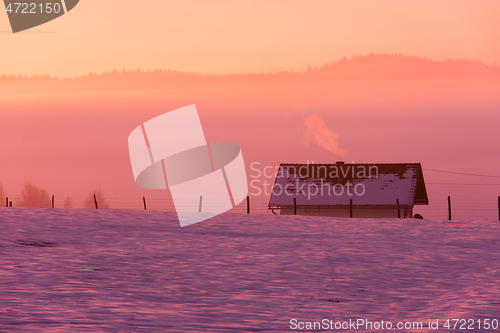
pixel 32 196
pixel 68 202
pixel 101 201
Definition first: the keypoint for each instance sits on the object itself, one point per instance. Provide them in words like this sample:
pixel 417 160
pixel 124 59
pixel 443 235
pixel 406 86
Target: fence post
pixel 144 200
pixel 399 212
pixel 449 208
pixel 350 209
pixel 201 199
pixel 7 202
pixel 52 201
pixel 248 204
pixel 95 201
pixel 10 204
pixel 294 206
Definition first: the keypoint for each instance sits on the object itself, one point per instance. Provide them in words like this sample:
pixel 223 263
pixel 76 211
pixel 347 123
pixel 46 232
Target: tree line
pixel 34 196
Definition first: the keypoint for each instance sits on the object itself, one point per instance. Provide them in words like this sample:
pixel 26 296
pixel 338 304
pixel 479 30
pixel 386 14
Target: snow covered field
pixel 124 271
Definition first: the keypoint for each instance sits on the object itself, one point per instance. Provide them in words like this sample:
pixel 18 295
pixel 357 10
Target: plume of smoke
pixel 317 131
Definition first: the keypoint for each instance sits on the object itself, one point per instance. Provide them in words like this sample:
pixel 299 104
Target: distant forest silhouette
pixel 34 196
pixel 373 67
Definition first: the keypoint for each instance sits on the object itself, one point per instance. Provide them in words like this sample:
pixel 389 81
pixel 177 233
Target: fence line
pixel 438 208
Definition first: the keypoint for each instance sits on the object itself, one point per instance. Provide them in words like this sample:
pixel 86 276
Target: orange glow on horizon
pixel 226 36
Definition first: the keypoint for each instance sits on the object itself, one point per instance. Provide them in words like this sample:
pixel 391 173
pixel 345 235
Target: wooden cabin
pixel 349 190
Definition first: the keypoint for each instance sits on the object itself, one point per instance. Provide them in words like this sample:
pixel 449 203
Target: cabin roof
pixel 336 184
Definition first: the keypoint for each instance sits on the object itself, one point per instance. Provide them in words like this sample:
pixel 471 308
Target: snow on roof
pixel 336 184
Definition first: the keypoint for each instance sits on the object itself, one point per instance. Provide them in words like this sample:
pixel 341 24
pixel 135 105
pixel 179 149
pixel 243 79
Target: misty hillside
pixel 374 67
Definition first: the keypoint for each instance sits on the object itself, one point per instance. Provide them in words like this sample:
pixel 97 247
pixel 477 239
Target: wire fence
pixel 257 205
pixel 478 209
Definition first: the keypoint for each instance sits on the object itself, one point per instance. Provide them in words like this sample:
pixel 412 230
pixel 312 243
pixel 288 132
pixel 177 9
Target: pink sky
pixel 73 142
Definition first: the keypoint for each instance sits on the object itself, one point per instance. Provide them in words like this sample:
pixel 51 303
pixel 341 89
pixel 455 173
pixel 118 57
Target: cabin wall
pixel 344 211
